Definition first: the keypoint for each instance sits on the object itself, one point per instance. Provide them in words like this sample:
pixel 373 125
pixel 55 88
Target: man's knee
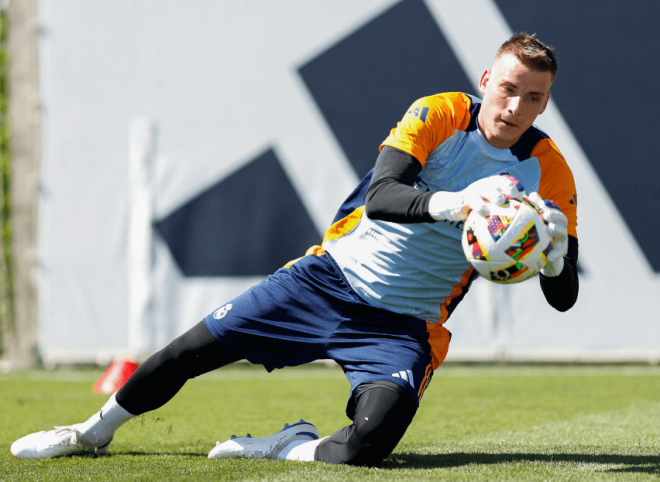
pixel 382 413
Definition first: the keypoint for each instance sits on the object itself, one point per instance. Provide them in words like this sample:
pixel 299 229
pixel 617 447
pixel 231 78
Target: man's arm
pixel 559 277
pixel 391 195
pixel 561 291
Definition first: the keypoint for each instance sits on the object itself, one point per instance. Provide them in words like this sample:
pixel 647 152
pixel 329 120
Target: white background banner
pixel 190 149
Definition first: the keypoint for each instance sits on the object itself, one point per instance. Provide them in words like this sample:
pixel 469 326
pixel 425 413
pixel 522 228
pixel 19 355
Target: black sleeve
pixel 391 195
pixel 561 292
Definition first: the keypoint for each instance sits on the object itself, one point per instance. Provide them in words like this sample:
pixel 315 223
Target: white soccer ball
pixel 510 244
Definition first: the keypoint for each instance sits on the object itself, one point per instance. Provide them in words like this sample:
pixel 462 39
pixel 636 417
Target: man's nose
pixel 514 105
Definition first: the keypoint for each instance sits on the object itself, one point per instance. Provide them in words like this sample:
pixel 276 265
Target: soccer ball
pixel 510 244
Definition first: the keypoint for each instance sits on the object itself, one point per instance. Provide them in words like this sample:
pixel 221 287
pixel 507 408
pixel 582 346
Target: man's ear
pixel 485 77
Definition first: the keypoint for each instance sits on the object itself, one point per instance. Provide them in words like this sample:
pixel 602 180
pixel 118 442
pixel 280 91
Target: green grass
pixel 475 423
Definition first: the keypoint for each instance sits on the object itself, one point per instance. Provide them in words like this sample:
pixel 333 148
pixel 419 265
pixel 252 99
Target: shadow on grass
pixel 648 464
pixel 110 455
pixel 153 454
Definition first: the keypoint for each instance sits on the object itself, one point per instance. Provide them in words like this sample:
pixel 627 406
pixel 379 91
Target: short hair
pixel 531 52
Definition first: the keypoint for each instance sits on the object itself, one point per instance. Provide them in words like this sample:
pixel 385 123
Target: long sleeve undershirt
pixel 392 197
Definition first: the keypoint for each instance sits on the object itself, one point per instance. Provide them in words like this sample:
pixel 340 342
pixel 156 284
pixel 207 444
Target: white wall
pixel 218 81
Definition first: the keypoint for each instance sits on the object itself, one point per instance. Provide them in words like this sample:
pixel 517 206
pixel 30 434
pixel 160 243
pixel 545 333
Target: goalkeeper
pixel 375 296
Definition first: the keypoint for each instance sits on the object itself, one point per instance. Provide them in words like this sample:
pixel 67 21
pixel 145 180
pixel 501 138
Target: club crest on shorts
pixel 221 312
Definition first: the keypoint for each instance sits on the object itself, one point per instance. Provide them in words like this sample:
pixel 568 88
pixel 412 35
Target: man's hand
pixel 456 206
pixel 558 228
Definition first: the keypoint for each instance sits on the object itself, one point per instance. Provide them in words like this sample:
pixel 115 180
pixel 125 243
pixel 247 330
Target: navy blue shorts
pixel 310 312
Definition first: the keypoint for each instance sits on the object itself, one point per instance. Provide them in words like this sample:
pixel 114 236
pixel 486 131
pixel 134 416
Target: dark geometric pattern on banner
pixel 365 83
pixel 605 90
pixel 249 224
pixel 253 222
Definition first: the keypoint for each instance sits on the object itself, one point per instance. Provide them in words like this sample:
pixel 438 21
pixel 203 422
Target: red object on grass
pixel 114 377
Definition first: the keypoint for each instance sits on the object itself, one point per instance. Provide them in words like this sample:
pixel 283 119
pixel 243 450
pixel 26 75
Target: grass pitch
pixel 477 422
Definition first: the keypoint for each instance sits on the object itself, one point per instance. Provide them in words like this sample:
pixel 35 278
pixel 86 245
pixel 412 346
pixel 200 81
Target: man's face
pixel 513 96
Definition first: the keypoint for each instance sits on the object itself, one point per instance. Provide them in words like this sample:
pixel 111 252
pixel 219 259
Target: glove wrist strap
pixel 445 206
pixel 551 270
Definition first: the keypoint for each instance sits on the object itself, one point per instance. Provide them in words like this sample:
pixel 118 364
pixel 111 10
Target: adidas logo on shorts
pixel 406 375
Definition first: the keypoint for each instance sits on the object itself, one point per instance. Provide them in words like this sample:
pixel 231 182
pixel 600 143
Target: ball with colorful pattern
pixel 508 245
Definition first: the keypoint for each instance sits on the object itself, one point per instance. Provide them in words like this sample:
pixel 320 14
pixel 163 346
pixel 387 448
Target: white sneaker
pixel 55 443
pixel 265 447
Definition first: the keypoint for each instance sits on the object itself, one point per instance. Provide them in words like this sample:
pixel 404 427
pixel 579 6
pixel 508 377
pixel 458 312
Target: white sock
pixel 302 450
pixel 102 425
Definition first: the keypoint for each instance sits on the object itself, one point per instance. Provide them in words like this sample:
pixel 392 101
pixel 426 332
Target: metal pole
pixel 24 118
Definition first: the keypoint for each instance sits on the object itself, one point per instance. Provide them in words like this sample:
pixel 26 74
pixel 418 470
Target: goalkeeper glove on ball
pixel 456 206
pixel 558 228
